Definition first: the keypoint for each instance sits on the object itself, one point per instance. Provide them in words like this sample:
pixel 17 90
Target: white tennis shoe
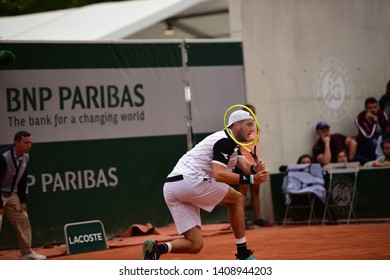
pixel 33 256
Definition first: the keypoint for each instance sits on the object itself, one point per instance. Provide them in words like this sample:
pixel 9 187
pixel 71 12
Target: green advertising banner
pixel 77 101
pixel 104 132
pixel 108 123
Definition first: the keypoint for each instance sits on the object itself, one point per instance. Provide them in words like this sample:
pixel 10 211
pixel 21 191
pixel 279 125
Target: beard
pixel 240 137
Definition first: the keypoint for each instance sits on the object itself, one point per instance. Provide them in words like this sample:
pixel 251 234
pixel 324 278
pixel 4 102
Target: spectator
pixel 371 122
pixel 342 156
pixel 384 101
pixel 386 134
pixel 382 161
pixel 305 159
pixel 327 145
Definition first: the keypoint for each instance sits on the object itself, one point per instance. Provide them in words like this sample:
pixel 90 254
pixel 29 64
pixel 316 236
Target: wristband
pixel 253 171
pixel 245 179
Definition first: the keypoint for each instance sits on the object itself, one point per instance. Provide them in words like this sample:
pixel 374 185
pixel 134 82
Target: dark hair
pixel 388 86
pixel 18 136
pixel 304 156
pixel 250 106
pixel 385 140
pixel 370 100
pixel 342 150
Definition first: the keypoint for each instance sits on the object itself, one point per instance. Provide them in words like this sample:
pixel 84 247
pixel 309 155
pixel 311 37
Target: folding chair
pixel 340 193
pixel 303 181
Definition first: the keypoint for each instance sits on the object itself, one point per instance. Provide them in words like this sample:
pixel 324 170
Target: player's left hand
pixel 260 166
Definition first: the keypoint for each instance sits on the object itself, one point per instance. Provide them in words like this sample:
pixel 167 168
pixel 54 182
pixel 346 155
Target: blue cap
pixel 321 125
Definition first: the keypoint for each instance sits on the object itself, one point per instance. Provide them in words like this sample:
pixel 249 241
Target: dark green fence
pixel 372 201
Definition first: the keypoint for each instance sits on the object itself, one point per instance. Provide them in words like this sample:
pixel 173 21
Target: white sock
pixel 241 240
pixel 169 245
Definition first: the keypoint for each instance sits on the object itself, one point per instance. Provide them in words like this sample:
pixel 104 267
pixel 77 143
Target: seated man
pixel 371 122
pixel 382 161
pixel 325 149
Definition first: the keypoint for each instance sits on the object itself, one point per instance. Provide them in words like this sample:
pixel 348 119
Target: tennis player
pixel 200 180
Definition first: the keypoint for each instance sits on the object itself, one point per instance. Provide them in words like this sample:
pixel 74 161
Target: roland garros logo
pixel 342 195
pixel 333 89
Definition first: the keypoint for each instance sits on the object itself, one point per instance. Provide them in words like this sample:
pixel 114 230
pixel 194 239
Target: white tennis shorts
pixel 186 197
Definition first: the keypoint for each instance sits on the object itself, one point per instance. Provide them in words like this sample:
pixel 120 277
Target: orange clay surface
pixel 292 242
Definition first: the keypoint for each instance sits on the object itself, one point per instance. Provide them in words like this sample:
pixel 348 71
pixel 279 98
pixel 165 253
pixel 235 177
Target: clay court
pixel 366 241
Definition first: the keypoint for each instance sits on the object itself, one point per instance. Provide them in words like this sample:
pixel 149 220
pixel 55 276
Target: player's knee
pixel 239 198
pixel 232 199
pixel 197 247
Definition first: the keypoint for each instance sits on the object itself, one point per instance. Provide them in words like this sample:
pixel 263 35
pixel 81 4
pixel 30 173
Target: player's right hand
pixel 261 177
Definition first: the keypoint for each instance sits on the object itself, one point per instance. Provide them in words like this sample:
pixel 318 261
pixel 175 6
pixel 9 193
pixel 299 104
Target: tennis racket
pixel 243 144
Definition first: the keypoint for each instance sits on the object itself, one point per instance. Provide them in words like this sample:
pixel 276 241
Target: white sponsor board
pixel 80 104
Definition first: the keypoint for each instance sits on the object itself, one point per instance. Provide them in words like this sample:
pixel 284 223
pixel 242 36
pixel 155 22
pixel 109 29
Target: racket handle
pixel 255 157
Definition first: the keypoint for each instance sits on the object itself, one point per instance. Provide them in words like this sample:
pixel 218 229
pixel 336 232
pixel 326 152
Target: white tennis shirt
pixel 216 148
